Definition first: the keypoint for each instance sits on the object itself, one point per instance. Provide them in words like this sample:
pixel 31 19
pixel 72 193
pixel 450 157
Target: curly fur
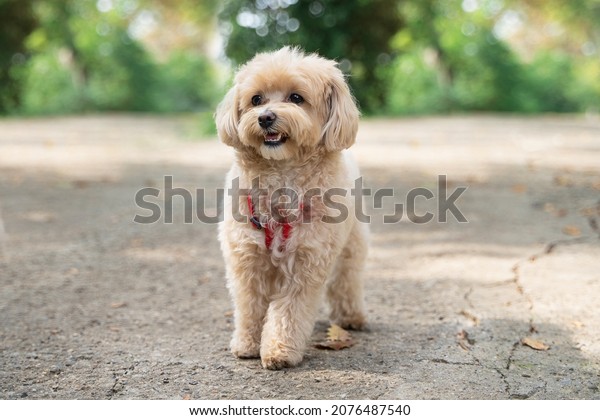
pixel 276 292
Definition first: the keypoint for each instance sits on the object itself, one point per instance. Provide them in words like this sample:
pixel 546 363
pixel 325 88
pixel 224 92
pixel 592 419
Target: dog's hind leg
pixel 345 287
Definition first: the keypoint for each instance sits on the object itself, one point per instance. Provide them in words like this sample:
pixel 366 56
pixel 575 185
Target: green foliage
pixel 122 77
pixel 414 87
pixel 489 78
pixel 452 60
pixel 585 87
pixel 188 83
pixel 48 86
pixel 402 57
pixel 550 80
pixel 17 21
pixel 205 124
pixel 354 32
pixel 83 59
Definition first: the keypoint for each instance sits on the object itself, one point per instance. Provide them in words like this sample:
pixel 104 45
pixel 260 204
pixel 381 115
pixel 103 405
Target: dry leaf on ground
pixel 571 230
pixel 519 188
pixel 464 341
pixel 337 339
pixel 534 344
pixel 549 208
pixel 563 181
pixel 590 211
pixel 81 183
pixel 561 213
pixel 337 333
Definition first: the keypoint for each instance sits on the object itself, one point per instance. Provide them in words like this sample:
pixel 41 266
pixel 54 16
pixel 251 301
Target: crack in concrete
pixel 511 354
pixel 516 280
pixel 549 248
pixel 531 393
pixel 498 283
pixel 118 386
pixel 594 225
pixel 448 362
pixel 467 297
pixel 505 380
pixel 593 222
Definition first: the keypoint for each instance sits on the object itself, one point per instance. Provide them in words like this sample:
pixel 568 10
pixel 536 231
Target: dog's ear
pixel 341 126
pixel 227 118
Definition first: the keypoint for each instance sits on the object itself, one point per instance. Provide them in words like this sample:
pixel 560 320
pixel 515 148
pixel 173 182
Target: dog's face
pixel 286 101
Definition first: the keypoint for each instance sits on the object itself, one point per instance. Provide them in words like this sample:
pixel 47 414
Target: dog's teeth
pixel 273 137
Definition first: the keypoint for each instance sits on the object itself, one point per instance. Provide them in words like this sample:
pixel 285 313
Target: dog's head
pixel 286 101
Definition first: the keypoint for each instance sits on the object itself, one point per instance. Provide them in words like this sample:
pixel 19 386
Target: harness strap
pixel 286 227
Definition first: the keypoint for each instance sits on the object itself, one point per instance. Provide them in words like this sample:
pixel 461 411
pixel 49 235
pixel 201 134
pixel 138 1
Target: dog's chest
pixel 287 203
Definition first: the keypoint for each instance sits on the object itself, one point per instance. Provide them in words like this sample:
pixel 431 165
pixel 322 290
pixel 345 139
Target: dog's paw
pixel 277 363
pixel 276 358
pixel 355 322
pixel 245 349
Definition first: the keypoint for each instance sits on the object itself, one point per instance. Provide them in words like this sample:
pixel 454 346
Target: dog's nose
pixel 266 119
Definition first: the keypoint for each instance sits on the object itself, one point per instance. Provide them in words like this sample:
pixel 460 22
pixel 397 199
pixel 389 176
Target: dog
pixel 289 117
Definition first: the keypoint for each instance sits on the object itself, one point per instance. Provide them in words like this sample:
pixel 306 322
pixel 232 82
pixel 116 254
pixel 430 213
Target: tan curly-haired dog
pixel 289 117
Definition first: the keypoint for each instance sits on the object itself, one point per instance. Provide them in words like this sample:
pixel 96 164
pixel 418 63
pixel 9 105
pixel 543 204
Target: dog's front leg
pixel 292 311
pixel 249 284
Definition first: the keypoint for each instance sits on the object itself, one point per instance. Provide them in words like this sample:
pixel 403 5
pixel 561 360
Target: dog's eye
pixel 256 100
pixel 297 99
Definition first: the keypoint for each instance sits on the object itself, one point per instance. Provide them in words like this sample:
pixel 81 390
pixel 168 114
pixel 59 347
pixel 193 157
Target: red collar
pixel 286 227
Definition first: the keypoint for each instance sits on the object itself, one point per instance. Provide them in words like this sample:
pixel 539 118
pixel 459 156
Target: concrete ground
pixel 94 306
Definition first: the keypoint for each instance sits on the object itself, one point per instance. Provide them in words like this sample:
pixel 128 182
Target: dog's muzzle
pixel 266 119
pixel 273 138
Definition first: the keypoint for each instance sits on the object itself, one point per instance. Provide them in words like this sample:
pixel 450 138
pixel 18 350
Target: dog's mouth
pixel 275 139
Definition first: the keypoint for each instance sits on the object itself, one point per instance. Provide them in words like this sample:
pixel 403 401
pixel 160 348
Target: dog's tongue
pixel 273 137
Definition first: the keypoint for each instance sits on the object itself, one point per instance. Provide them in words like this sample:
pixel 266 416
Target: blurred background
pixel 402 56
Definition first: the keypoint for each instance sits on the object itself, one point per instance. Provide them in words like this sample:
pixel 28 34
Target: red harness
pixel 286 227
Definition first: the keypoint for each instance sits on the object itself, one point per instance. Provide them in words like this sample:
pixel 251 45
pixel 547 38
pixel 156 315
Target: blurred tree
pixel 354 32
pixel 561 42
pixel 92 55
pixel 423 20
pixel 17 22
pixel 183 38
pixel 189 25
pixel 55 34
pixel 490 77
pixel 544 73
pixel 108 69
pixel 493 55
pixel 475 70
pixel 580 17
pixel 404 56
pixel 188 83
